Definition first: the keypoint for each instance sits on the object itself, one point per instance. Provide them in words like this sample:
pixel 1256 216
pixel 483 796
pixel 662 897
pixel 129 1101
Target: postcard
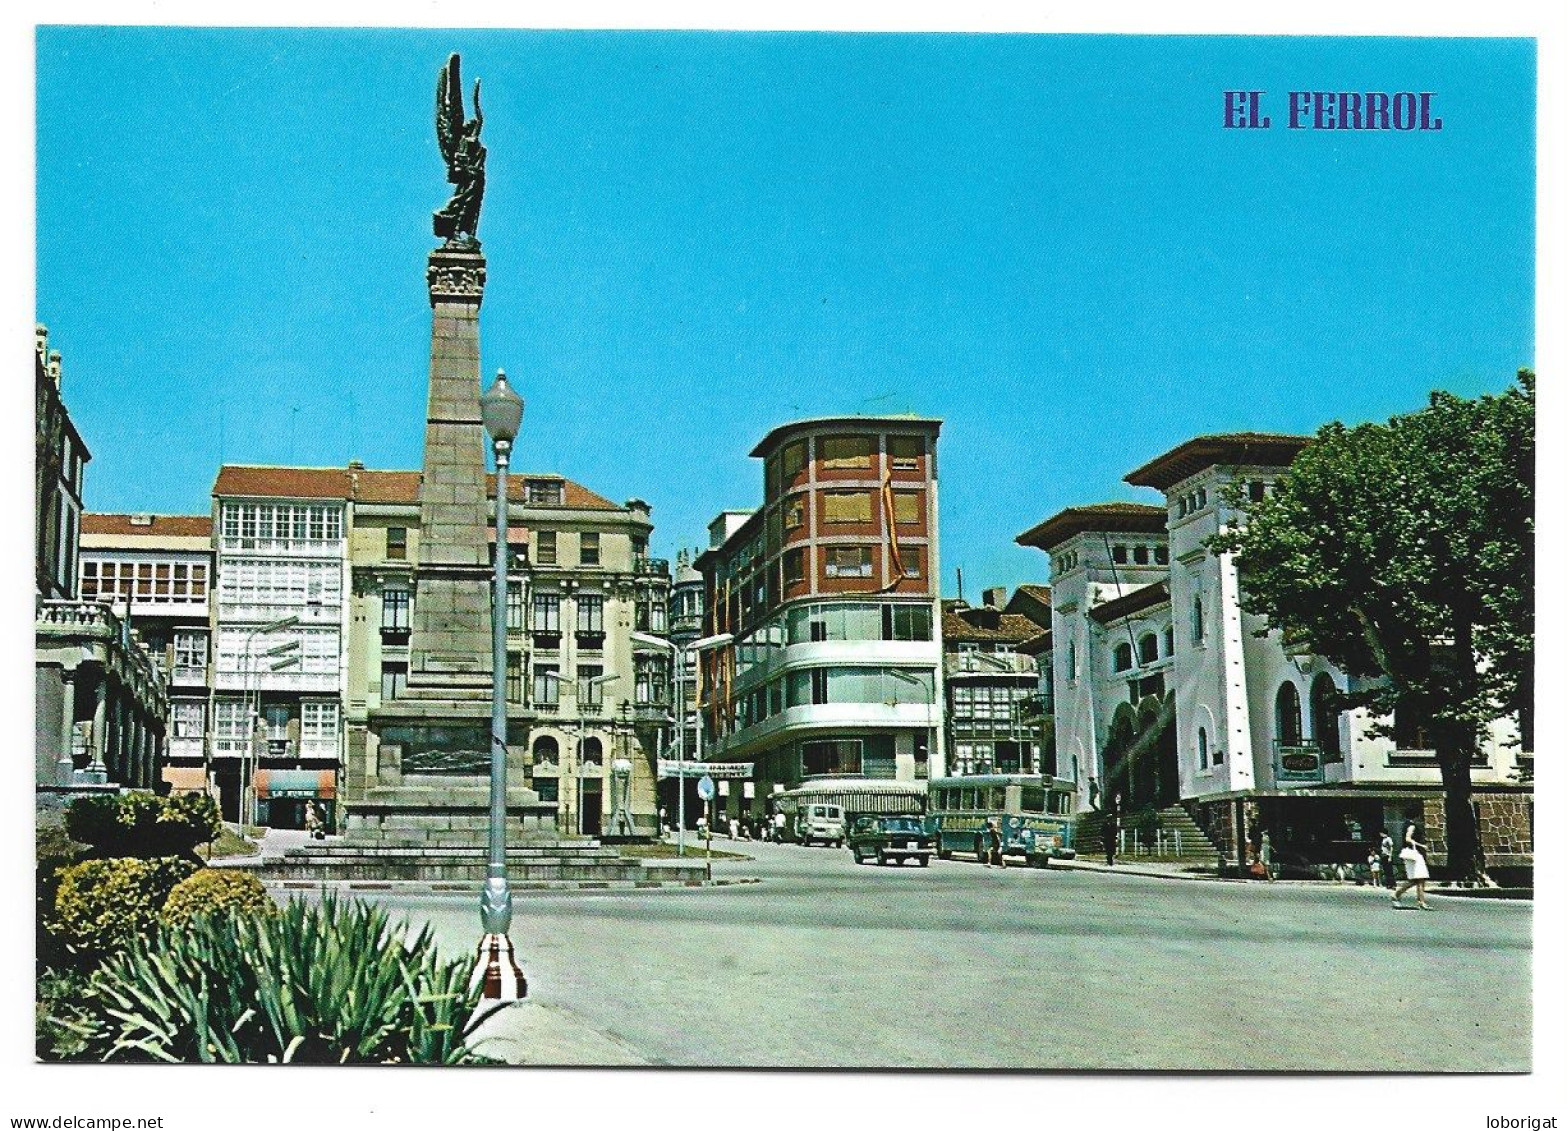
pixel 1003 552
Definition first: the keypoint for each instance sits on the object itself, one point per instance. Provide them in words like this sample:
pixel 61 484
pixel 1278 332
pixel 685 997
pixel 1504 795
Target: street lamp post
pixel 497 966
pixel 248 754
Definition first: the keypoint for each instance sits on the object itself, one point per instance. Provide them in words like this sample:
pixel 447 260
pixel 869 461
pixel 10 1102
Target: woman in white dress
pixel 1415 871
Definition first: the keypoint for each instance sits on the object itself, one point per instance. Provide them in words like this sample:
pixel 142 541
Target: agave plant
pixel 333 983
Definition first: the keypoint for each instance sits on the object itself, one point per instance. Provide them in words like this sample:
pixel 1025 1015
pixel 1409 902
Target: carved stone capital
pixel 455 276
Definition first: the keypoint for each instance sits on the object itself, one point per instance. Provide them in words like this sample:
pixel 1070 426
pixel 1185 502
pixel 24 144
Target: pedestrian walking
pixel 993 845
pixel 1265 855
pixel 1385 855
pixel 1111 829
pixel 1415 871
pixel 313 822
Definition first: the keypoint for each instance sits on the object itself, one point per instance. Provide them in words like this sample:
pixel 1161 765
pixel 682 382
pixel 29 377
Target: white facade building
pixel 1171 693
pixel 280 634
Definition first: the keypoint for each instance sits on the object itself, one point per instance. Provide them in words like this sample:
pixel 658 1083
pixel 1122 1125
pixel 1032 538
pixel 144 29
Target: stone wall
pixel 1506 828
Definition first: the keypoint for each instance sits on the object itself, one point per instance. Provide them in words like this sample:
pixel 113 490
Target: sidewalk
pixel 1171 871
pixel 531 1033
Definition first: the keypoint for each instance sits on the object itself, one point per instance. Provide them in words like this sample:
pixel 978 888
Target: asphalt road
pixel 829 964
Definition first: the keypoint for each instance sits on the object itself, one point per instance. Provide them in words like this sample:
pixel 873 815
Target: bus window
pixel 1033 799
pixel 966 799
pixel 998 798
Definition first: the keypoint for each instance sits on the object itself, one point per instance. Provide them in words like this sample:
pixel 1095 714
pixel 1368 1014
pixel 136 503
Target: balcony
pixel 649 567
pixel 989 663
pixel 277 681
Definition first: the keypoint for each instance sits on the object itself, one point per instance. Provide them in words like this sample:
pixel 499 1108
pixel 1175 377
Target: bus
pixel 1033 811
pixel 853 794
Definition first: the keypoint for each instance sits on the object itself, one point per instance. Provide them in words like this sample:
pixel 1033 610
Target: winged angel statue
pixel 458 222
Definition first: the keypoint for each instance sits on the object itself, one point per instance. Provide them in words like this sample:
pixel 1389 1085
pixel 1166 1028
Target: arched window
pixel 1169 641
pixel 592 750
pixel 1123 657
pixel 1286 715
pixel 1197 625
pixel 1148 648
pixel 1202 748
pixel 1324 717
pixel 546 749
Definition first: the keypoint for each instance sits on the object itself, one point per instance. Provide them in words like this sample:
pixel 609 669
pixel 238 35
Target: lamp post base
pixel 497 970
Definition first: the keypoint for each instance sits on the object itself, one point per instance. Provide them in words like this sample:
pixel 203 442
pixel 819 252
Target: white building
pixel 280 634
pixel 1167 692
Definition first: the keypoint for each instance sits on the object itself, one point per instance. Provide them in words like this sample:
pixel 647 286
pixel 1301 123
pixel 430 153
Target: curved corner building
pixel 829 592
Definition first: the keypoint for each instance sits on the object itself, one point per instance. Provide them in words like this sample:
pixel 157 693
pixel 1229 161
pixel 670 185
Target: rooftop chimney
pixel 995 598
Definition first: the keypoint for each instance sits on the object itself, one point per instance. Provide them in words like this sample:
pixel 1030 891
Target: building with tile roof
pixel 992 685
pixel 1166 691
pixel 315 580
pixel 155 571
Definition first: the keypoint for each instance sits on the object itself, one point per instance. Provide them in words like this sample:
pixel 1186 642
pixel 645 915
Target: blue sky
pixel 1047 241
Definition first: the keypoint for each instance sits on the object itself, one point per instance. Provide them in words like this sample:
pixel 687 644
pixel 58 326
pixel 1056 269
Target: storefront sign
pixel 669 768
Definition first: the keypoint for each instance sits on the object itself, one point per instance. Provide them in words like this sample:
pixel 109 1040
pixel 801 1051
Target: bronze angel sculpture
pixel 458 222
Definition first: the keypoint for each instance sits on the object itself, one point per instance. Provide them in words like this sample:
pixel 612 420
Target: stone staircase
pixel 1166 834
pixel 563 863
pixel 452 845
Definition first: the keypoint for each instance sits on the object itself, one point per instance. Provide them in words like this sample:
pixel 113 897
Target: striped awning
pixel 296 783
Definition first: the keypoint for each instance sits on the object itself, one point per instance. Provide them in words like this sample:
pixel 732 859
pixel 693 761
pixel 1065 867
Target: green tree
pixel 1404 554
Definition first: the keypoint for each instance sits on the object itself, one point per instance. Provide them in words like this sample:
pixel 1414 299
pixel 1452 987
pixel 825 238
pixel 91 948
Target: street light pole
pixel 497 968
pixel 248 754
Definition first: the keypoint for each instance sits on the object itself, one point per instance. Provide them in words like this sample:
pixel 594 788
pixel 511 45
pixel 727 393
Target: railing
pixel 650 567
pixel 184 747
pixel 92 620
pixel 276 681
pixel 294 547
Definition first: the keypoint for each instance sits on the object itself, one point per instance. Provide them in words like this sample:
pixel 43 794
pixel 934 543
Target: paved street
pixel 826 963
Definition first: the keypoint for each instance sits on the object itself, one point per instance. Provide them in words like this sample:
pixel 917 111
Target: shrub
pixel 327 983
pixel 103 905
pixel 143 824
pixel 213 891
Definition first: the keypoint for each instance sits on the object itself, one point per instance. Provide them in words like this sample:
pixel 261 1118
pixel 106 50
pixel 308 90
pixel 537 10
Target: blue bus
pixel 1033 811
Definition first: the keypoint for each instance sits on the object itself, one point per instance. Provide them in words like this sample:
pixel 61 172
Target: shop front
pixel 282 797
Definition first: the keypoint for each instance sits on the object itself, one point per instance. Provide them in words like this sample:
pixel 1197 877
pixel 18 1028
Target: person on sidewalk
pixel 1385 856
pixel 1415 871
pixel 1111 829
pixel 1265 855
pixel 993 845
pixel 313 822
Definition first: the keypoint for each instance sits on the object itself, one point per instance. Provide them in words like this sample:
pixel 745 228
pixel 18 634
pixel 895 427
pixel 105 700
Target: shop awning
pixel 320 784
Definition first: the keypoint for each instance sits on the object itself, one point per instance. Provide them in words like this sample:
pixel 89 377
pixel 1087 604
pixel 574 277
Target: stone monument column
pixel 449 645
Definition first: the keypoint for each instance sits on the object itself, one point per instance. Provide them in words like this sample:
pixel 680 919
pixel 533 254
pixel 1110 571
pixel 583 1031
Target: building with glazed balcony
pixel 280 628
pixel 992 684
pixel 1167 691
pixel 828 591
pixel 155 571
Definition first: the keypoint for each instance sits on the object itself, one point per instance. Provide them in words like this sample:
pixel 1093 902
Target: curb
pixel 460 887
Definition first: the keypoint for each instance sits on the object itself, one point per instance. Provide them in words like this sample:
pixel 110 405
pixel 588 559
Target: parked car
pixel 890 840
pixel 819 824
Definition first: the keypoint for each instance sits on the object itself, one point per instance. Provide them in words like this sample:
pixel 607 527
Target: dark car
pixel 890 840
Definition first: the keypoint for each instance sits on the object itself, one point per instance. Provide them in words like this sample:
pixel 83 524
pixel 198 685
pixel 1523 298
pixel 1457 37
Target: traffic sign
pixel 704 788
